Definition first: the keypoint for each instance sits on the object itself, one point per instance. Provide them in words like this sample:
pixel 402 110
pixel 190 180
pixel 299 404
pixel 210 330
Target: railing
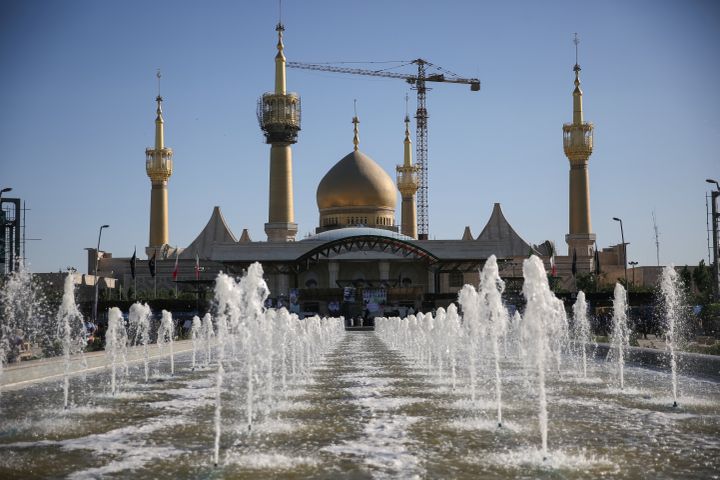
pixel 159 163
pixel 407 176
pixel 578 139
pixel 279 110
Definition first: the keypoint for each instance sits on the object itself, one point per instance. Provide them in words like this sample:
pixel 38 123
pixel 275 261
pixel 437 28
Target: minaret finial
pixel 407 120
pixel 356 122
pixel 280 61
pixel 576 68
pixel 159 98
pixel 159 133
pixel 576 41
pixel 407 160
pixel 577 93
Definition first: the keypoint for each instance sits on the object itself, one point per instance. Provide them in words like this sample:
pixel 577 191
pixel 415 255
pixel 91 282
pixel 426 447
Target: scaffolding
pixel 10 235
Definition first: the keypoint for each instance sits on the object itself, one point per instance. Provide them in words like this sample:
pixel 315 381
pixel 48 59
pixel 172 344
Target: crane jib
pixel 418 81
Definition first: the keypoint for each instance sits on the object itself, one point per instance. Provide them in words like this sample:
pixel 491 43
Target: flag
pixel 151 265
pixel 574 262
pixel 553 267
pixel 133 263
pixel 175 270
pixel 597 262
pixel 197 267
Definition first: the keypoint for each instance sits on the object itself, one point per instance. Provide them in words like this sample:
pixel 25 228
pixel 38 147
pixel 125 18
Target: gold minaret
pixel 279 117
pixel 159 167
pixel 407 182
pixel 578 145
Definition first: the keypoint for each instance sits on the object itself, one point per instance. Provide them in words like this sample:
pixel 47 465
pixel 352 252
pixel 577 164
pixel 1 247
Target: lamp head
pixel 6 189
pixel 617 219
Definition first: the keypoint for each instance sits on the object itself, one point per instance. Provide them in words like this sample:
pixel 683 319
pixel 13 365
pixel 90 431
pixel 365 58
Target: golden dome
pixel 356 181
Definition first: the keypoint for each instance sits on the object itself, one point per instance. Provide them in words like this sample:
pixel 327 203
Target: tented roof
pixel 216 231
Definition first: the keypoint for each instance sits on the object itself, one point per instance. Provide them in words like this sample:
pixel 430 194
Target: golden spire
pixel 159 128
pixel 577 93
pixel 407 162
pixel 280 62
pixel 356 132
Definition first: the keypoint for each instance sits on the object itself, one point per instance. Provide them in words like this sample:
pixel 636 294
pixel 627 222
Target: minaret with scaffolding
pixel 279 117
pixel 578 145
pixel 159 167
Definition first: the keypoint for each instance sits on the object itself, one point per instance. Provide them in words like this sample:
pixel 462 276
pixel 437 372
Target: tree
pixel 686 278
pixel 587 282
pixel 703 280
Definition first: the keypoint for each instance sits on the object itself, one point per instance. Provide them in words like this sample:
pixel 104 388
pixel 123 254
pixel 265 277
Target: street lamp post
pixel 622 236
pixel 633 270
pixel 716 266
pixel 4 190
pixel 97 261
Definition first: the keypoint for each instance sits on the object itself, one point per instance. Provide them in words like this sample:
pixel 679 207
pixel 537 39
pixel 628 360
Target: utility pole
pixel 716 267
pixel 97 261
pixel 622 237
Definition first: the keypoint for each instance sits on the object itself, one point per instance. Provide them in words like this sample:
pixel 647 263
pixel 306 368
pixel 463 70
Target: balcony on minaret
pixel 578 140
pixel 159 164
pixel 407 179
pixel 279 117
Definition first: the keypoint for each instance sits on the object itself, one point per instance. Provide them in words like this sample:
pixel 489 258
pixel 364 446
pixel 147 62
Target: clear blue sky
pixel 77 108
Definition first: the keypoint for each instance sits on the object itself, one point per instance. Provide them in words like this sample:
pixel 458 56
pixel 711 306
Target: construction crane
pixel 421 116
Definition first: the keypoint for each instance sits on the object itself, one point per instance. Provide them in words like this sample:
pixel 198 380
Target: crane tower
pixel 418 82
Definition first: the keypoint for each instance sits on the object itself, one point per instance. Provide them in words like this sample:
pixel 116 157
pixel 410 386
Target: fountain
pixel 670 289
pixel 468 299
pixel 453 322
pixel 71 330
pixel 620 339
pixel 115 345
pixel 493 312
pixel 21 316
pixel 419 397
pixel 583 333
pixel 139 320
pixel 218 412
pixel 165 336
pixel 540 324
pixel 195 332
pixel 207 335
